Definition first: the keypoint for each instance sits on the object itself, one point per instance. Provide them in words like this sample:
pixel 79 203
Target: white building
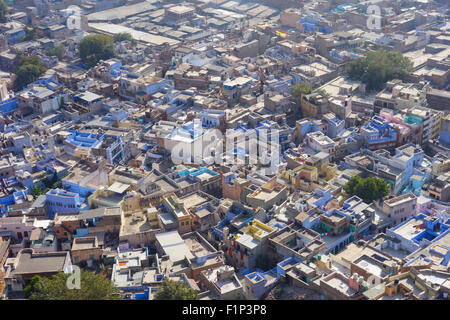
pixel 320 142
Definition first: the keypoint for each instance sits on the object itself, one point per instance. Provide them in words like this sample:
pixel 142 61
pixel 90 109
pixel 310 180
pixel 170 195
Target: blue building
pixel 110 146
pixel 9 105
pixel 310 24
pixel 284 132
pixel 335 126
pixel 418 231
pixel 378 134
pixel 14 35
pixel 61 201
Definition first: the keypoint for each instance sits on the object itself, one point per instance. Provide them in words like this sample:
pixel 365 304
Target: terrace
pixel 223 285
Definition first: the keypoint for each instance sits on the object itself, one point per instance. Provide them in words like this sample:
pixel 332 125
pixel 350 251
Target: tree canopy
pixel 92 287
pixel 378 67
pixel 174 290
pixel 96 47
pixel 32 286
pixel 301 88
pixel 122 36
pixel 30 34
pixel 368 189
pixel 30 69
pixel 57 51
pixel 37 190
pixel 3 10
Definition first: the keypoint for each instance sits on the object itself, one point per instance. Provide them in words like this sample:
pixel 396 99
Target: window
pixel 76 259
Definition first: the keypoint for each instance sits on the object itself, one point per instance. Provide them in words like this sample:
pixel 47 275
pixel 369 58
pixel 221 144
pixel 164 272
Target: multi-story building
pixel 86 249
pixel 40 99
pixel 223 282
pixel 268 195
pixel 21 269
pixel 399 208
pixel 379 134
pixel 313 104
pixel 320 142
pixel 183 217
pixel 232 186
pixel 439 188
pixel 233 89
pixel 242 250
pixel 438 99
pixel 398 95
pixel 61 201
pixel 396 170
pixel 417 232
pixel 431 122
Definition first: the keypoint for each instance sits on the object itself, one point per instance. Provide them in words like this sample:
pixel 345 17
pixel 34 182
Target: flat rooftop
pixel 136 223
pixel 193 200
pixel 408 230
pixel 341 285
pixel 174 246
pixel 196 247
pixel 40 262
pixel 149 38
pixel 223 285
pixel 84 243
pixel 370 266
pixel 400 199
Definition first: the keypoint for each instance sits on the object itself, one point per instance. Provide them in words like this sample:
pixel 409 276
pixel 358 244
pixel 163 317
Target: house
pixel 223 282
pixel 190 254
pixel 21 269
pixel 86 249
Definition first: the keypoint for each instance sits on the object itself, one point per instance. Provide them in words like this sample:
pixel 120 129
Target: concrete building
pixel 223 282
pixel 61 201
pixel 27 264
pixel 400 208
pixel 86 249
pixel 320 142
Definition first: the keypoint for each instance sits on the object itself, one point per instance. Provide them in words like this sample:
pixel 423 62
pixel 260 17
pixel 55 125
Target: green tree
pixel 33 60
pixel 94 48
pixel 378 67
pixel 368 189
pixel 32 286
pixel 30 34
pixel 350 186
pixel 36 191
pixel 30 69
pixel 57 51
pixel 301 88
pixel 3 10
pixel 175 290
pixel 92 287
pixel 26 74
pixel 322 92
pixel 122 36
pixel 51 183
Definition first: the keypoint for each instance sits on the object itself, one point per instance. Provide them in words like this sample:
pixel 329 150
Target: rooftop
pixel 30 263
